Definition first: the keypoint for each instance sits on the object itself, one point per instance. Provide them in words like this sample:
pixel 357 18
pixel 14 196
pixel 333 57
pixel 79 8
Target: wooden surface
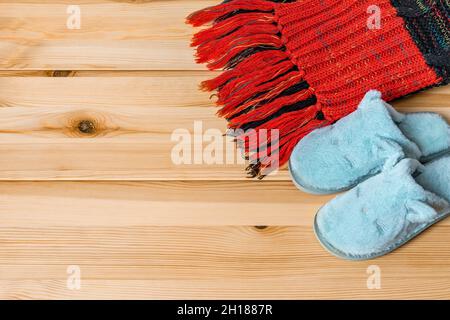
pixel 112 202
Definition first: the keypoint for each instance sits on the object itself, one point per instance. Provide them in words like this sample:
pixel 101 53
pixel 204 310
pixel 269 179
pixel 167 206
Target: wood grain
pixel 114 35
pixel 221 262
pixel 157 203
pixel 141 240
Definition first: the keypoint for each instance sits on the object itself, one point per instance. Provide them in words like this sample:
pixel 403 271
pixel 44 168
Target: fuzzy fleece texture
pixel 338 157
pixel 428 130
pixel 385 211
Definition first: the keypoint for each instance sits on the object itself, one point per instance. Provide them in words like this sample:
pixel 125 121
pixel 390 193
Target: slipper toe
pixel 429 131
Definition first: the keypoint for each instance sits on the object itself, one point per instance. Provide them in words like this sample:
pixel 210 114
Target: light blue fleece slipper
pixel 338 157
pixel 385 211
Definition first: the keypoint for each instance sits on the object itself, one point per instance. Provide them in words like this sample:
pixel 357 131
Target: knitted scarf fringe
pixel 260 88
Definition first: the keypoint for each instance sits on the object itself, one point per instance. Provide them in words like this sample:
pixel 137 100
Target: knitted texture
pixel 299 66
pixel 428 23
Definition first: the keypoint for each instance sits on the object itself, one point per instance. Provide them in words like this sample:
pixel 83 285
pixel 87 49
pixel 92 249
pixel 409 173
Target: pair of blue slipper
pixel 395 167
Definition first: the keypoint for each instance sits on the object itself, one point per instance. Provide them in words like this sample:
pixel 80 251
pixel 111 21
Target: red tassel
pixel 231 24
pixel 236 38
pixel 238 103
pixel 286 124
pixel 219 55
pixel 206 15
pixel 262 59
pixel 244 38
pixel 269 109
pixel 250 82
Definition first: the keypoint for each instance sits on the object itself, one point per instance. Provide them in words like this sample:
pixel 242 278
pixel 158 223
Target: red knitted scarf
pixel 303 65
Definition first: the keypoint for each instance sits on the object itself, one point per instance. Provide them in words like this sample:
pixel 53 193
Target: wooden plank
pixel 244 289
pixel 83 89
pixel 210 262
pixel 118 161
pixel 118 35
pixel 118 106
pixel 132 118
pixel 148 89
pixel 158 203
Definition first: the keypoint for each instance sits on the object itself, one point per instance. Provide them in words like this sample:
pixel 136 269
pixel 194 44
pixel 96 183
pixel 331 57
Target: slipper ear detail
pixel 420 212
pixel 407 167
pixel 390 147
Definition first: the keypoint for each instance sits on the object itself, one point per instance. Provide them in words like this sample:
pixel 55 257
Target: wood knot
pixel 87 124
pixel 260 227
pixel 86 127
pixel 61 73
